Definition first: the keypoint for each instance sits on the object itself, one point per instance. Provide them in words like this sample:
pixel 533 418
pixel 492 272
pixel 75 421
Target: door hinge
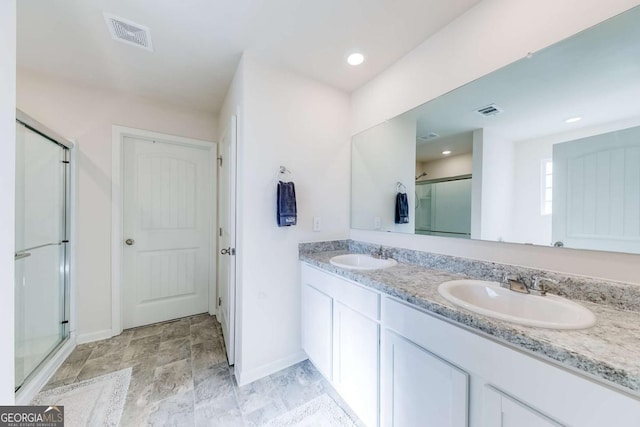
pixel 220 160
pixel 233 251
pixel 219 301
pixel 220 231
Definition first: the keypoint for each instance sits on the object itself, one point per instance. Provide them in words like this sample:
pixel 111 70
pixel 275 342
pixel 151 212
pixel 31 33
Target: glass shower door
pixel 41 259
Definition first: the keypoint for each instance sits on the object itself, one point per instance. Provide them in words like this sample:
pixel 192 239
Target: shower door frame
pixel 437 181
pixel 39 377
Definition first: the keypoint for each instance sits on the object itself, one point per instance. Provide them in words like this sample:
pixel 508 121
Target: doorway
pixel 227 237
pixel 168 217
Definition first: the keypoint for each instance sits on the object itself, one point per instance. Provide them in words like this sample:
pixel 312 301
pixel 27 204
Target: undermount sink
pixel 362 262
pixel 490 299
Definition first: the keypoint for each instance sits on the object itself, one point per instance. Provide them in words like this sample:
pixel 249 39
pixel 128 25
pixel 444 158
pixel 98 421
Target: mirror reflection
pixel 545 151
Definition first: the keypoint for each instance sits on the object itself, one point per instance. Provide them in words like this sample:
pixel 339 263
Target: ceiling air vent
pixel 489 110
pixel 129 32
pixel 429 136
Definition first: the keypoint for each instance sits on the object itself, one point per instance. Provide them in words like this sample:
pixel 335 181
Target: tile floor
pixel 180 377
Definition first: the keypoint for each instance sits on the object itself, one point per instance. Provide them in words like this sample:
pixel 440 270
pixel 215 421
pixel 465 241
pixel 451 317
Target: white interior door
pixel 596 192
pixel 227 238
pixel 169 193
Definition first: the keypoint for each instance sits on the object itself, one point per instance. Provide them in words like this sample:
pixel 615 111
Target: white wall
pixel 303 125
pixel 509 30
pixel 529 225
pixel 497 186
pixel 86 115
pixel 446 167
pixel 476 184
pixel 379 161
pixel 7 193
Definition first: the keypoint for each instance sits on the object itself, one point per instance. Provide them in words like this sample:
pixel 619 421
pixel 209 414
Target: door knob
pixel 226 251
pixel 130 242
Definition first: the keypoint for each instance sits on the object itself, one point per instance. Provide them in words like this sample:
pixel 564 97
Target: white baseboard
pixel 28 391
pixel 246 377
pixel 95 336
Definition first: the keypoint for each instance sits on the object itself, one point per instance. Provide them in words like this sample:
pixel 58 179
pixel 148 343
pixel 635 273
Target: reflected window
pixel 547 187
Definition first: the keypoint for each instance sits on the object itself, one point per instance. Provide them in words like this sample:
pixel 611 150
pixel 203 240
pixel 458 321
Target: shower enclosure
pixel 42 246
pixel 443 207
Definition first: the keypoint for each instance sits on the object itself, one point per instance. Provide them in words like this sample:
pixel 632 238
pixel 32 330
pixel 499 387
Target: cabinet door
pixel 355 363
pixel 317 328
pixel 419 389
pixel 501 411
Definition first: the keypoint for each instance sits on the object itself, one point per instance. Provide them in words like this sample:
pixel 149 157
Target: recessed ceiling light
pixel 573 119
pixel 355 58
pixel 446 152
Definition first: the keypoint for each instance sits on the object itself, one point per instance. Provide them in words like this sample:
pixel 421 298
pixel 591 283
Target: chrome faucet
pixel 538 287
pixel 514 283
pixel 381 253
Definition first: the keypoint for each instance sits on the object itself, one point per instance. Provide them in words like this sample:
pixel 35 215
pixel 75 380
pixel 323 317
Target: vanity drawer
pixel 357 297
pixel 409 322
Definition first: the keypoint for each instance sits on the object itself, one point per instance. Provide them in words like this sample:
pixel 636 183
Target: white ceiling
pixel 461 143
pixel 198 43
pixel 595 75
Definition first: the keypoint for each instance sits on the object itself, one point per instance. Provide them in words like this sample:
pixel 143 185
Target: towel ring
pixel 281 174
pixel 400 187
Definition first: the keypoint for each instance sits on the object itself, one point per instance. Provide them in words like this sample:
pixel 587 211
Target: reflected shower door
pixel 41 269
pixel 443 208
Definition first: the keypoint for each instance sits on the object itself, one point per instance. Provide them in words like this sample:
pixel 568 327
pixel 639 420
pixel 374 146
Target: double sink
pixel 491 299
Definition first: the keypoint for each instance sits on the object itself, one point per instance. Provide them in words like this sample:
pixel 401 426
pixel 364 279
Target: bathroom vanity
pixel 401 355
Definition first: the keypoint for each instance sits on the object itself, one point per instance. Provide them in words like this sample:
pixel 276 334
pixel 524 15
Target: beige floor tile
pixel 100 366
pixel 180 376
pixel 171 379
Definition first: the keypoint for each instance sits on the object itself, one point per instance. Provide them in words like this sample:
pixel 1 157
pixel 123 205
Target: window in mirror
pixel 547 186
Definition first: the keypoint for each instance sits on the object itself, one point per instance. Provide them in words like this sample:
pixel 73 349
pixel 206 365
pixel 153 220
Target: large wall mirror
pixel 545 151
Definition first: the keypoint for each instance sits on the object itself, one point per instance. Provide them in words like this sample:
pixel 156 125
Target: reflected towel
pixel 286 202
pixel 402 209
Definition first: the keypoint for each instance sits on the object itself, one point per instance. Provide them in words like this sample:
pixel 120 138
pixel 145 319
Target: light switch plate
pixel 317 225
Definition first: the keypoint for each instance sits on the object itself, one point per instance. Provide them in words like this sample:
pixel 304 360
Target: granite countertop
pixel 608 351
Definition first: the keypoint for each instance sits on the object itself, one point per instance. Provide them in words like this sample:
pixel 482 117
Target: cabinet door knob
pixel 130 242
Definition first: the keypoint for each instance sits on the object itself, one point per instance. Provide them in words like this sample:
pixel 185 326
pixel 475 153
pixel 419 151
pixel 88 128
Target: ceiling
pixel 429 150
pixel 198 43
pixel 594 75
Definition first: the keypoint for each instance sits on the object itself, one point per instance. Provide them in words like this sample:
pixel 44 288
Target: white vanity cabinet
pixel 502 411
pixel 355 361
pixel 393 360
pixel 418 388
pixel 317 312
pixel 340 334
pixel 532 392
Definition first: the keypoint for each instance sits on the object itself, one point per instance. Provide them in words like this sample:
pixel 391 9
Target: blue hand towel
pixel 402 209
pixel 286 201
